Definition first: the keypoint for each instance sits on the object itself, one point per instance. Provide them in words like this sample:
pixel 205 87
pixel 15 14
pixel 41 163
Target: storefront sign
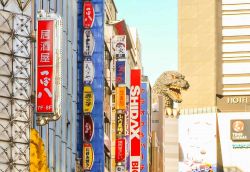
pixel 120 150
pixel 88 99
pixel 240 130
pixel 120 99
pixel 233 103
pixel 135 120
pixel 45 68
pixel 88 14
pixel 119 46
pixel 88 128
pixel 120 124
pixel 88 72
pixel 88 156
pixel 120 72
pixel 88 42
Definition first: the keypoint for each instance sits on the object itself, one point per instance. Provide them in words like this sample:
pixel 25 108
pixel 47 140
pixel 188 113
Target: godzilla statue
pixel 169 85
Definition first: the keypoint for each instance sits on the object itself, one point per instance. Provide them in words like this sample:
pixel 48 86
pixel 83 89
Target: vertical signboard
pixel 88 14
pixel 144 127
pixel 120 124
pixel 120 100
pixel 98 86
pixel 135 120
pixel 48 67
pixel 45 57
pixel 119 46
pixel 120 72
pixel 120 150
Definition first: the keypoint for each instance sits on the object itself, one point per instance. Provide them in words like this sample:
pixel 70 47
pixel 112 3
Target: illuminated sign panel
pixel 120 124
pixel 135 120
pixel 88 14
pixel 120 99
pixel 120 150
pixel 88 156
pixel 88 99
pixel 45 75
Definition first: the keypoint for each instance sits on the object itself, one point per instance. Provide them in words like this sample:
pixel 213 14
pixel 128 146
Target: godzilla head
pixel 171 84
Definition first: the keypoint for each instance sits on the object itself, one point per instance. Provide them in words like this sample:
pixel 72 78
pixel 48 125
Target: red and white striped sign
pixel 135 120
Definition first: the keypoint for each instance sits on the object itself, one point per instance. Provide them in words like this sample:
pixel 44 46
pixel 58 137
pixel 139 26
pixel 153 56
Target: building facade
pixel 214 57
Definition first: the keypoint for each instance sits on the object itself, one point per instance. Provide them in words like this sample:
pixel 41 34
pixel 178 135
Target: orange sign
pixel 88 156
pixel 120 97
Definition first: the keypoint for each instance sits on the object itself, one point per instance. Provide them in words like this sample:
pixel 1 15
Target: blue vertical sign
pixel 98 86
pixel 120 72
pixel 79 80
pixel 144 127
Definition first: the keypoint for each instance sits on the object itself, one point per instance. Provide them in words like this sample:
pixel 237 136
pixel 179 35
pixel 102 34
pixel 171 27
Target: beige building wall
pixel 199 49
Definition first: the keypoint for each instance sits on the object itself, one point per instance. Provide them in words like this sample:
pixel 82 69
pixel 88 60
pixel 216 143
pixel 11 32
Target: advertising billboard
pixel 135 120
pixel 119 46
pixel 120 98
pixel 198 143
pixel 234 140
pixel 144 127
pixel 48 68
pixel 120 150
pixel 120 72
pixel 45 66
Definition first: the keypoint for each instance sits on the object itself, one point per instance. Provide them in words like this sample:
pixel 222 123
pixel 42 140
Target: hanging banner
pixel 120 99
pixel 88 128
pixel 120 72
pixel 88 156
pixel 120 124
pixel 144 127
pixel 88 72
pixel 88 14
pixel 135 120
pixel 119 46
pixel 45 68
pixel 88 43
pixel 120 150
pixel 88 99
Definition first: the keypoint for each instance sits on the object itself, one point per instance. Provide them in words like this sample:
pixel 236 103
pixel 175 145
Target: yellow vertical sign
pixel 88 99
pixel 88 156
pixel 120 98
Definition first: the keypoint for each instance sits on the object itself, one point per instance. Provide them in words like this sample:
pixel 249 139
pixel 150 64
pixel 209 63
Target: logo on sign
pixel 135 120
pixel 88 99
pixel 88 72
pixel 88 14
pixel 120 168
pixel 88 128
pixel 88 43
pixel 119 46
pixel 88 156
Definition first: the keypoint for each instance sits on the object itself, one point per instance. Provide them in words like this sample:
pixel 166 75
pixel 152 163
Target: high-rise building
pixel 214 57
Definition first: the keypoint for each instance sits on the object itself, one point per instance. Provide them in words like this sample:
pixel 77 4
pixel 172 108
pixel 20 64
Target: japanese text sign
pixel 45 55
pixel 120 99
pixel 120 150
pixel 88 99
pixel 88 156
pixel 120 72
pixel 120 124
pixel 88 14
pixel 135 120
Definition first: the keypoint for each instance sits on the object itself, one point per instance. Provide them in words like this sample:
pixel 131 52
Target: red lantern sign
pixel 135 120
pixel 88 128
pixel 88 14
pixel 120 150
pixel 45 56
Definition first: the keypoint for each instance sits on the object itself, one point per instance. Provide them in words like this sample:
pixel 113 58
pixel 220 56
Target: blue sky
pixel 156 22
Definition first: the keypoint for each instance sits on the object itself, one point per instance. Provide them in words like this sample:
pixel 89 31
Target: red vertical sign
pixel 135 120
pixel 88 14
pixel 44 68
pixel 120 150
